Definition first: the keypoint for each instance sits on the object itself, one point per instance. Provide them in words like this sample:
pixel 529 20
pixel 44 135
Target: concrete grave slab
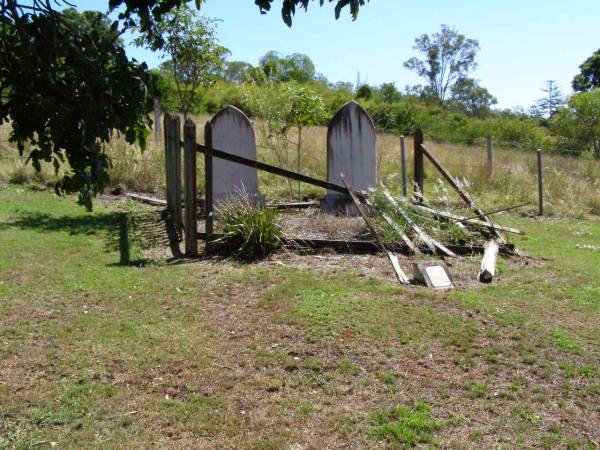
pixel 434 274
pixel 232 132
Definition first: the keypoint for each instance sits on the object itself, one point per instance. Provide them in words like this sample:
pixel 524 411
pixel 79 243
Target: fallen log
pixel 488 262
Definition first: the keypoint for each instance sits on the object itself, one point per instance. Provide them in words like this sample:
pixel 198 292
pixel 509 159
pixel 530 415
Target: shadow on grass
pixel 84 224
pixel 113 227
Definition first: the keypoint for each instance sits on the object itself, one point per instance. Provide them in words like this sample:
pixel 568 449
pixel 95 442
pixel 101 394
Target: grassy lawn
pixel 215 354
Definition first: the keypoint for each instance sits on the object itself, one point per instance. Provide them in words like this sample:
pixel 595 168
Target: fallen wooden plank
pixel 410 244
pixel 393 259
pixel 488 262
pixel 459 219
pixel 145 199
pixel 292 205
pixel 461 192
pixel 433 244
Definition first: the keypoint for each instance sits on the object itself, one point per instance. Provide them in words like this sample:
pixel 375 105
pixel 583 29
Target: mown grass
pixel 215 354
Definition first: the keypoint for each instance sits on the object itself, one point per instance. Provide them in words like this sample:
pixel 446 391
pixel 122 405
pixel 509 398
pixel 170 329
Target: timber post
pixel 173 169
pixel 208 185
pixel 403 166
pixel 418 167
pixel 540 183
pixel 189 167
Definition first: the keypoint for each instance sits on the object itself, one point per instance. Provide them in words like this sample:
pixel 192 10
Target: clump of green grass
pixel 404 426
pixel 249 231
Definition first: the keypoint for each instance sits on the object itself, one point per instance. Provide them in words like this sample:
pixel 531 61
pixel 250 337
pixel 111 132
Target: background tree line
pixel 67 85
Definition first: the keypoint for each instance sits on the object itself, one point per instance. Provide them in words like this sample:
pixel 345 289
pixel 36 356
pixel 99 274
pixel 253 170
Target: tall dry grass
pixel 571 185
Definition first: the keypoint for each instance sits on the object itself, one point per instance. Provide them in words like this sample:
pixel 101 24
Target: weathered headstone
pixel 351 150
pixel 232 132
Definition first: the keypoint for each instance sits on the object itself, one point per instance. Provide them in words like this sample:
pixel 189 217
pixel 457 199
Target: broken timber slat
pixel 459 219
pixel 429 241
pixel 488 262
pixel 292 205
pixel 145 199
pixel 393 258
pixel 402 235
pixel 409 243
pixel 461 192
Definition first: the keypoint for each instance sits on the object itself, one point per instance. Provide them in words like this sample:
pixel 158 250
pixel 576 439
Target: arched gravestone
pixel 232 132
pixel 351 150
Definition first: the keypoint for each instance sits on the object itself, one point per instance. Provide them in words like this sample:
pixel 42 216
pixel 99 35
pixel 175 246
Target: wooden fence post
pixel 403 166
pixel 189 167
pixel 418 168
pixel 208 184
pixel 490 154
pixel 540 183
pixel 173 169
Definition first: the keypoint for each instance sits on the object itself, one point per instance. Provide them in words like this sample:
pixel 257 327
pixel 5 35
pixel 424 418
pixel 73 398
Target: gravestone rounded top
pixel 232 132
pixel 351 149
pixel 231 115
pixel 348 115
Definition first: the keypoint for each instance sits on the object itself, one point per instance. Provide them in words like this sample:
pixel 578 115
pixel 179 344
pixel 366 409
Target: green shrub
pixel 249 231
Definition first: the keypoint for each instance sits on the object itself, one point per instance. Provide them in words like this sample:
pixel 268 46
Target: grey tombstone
pixel 351 150
pixel 232 132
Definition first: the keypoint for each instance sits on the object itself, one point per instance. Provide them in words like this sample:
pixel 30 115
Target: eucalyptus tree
pixel 589 74
pixel 447 57
pixel 195 59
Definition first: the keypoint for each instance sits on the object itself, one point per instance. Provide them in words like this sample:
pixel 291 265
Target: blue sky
pixel 523 42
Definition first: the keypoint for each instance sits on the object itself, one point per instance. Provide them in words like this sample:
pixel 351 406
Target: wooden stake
pixel 189 167
pixel 403 167
pixel 208 185
pixel 540 183
pixel 488 263
pixel 393 258
pixel 173 169
pixel 418 168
